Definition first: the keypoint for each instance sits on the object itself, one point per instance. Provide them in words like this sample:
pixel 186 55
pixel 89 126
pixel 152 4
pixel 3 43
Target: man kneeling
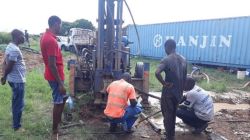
pixel 197 108
pixel 117 109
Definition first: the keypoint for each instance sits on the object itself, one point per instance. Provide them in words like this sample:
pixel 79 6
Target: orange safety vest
pixel 119 92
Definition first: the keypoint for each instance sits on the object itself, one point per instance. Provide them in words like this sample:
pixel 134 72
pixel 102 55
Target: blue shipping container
pixel 222 42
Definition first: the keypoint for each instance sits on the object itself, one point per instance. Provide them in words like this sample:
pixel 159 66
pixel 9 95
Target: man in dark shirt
pixel 175 69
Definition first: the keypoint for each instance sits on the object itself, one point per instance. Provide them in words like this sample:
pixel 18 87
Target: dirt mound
pixel 32 60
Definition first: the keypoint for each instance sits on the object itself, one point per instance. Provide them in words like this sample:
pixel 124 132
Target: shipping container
pixel 221 42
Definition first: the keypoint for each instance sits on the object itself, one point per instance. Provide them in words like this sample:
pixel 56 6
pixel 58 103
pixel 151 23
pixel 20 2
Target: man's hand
pixel 168 85
pixel 3 80
pixel 62 89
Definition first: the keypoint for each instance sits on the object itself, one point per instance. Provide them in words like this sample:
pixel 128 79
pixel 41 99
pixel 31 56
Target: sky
pixel 33 14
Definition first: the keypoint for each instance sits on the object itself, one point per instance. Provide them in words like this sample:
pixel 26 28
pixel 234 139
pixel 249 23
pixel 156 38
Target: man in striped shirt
pixel 14 72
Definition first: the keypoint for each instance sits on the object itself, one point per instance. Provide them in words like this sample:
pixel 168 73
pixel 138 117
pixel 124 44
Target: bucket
pixel 241 74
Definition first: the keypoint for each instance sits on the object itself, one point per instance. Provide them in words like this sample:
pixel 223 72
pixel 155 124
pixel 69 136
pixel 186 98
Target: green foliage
pixel 36 115
pixel 219 87
pixel 5 38
pixel 83 23
pixel 154 84
pixel 65 27
pixel 80 23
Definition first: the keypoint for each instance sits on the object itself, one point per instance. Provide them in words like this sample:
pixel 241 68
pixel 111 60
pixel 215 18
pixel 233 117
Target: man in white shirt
pixel 197 107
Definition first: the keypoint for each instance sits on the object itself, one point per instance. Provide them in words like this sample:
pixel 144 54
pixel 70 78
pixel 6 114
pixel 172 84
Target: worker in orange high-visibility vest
pixel 117 109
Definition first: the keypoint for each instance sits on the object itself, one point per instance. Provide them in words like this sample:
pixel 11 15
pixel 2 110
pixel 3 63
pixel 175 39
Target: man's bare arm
pixel 54 71
pixel 6 70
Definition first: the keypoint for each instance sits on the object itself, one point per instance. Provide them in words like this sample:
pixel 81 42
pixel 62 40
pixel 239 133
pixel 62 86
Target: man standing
pixel 197 108
pixel 54 70
pixel 175 69
pixel 14 72
pixel 26 34
pixel 117 109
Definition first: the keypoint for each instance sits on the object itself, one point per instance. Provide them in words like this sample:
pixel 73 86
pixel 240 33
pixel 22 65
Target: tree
pixel 5 38
pixel 65 27
pixel 80 23
pixel 83 23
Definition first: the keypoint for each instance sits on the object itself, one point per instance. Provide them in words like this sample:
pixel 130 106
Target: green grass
pixel 219 81
pixel 37 114
pixel 154 84
pixel 37 111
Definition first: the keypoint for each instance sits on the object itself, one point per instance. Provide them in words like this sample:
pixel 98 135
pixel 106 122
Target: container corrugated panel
pixel 222 42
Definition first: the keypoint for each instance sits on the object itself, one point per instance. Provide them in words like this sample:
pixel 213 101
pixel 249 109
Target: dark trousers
pixel 189 117
pixel 129 118
pixel 17 103
pixel 168 108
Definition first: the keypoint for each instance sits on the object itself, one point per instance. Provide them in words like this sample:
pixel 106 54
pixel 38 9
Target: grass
pixel 36 115
pixel 219 81
pixel 154 84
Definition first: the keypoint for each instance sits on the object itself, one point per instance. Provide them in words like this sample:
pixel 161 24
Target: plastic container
pixel 241 75
pixel 70 103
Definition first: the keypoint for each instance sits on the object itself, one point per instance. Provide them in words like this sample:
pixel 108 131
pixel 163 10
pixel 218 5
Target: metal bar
pixel 153 96
pixel 119 33
pixel 147 117
pixel 155 127
pixel 100 43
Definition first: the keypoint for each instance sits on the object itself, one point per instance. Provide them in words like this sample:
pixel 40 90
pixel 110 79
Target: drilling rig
pixel 104 60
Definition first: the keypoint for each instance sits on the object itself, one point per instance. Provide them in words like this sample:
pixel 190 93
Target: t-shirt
pixel 119 92
pixel 49 47
pixel 175 68
pixel 17 74
pixel 201 102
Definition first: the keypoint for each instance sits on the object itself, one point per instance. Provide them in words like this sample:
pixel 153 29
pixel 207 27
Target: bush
pixel 5 38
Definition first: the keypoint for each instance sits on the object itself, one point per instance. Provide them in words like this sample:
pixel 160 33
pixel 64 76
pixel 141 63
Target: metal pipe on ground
pixel 153 96
pixel 155 127
pixel 147 118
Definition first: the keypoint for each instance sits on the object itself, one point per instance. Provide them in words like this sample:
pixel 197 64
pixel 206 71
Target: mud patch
pixel 234 97
pixel 98 125
pixel 232 124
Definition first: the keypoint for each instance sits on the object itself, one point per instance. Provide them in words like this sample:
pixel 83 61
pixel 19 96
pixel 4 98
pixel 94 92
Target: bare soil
pixel 232 124
pixel 32 60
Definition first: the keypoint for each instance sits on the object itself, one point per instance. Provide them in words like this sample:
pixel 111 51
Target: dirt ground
pixel 232 124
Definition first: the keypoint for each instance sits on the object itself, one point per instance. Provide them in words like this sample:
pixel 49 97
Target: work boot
pixel 200 129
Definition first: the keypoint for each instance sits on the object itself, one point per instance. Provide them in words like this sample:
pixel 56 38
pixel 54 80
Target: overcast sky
pixel 33 14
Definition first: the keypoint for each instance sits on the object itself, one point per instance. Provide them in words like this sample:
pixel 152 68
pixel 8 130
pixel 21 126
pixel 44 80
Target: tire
pixel 63 48
pixel 72 49
pixel 139 70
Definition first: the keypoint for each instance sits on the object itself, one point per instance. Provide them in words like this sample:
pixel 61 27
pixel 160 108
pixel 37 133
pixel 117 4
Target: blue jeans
pixel 57 96
pixel 189 118
pixel 129 118
pixel 17 103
